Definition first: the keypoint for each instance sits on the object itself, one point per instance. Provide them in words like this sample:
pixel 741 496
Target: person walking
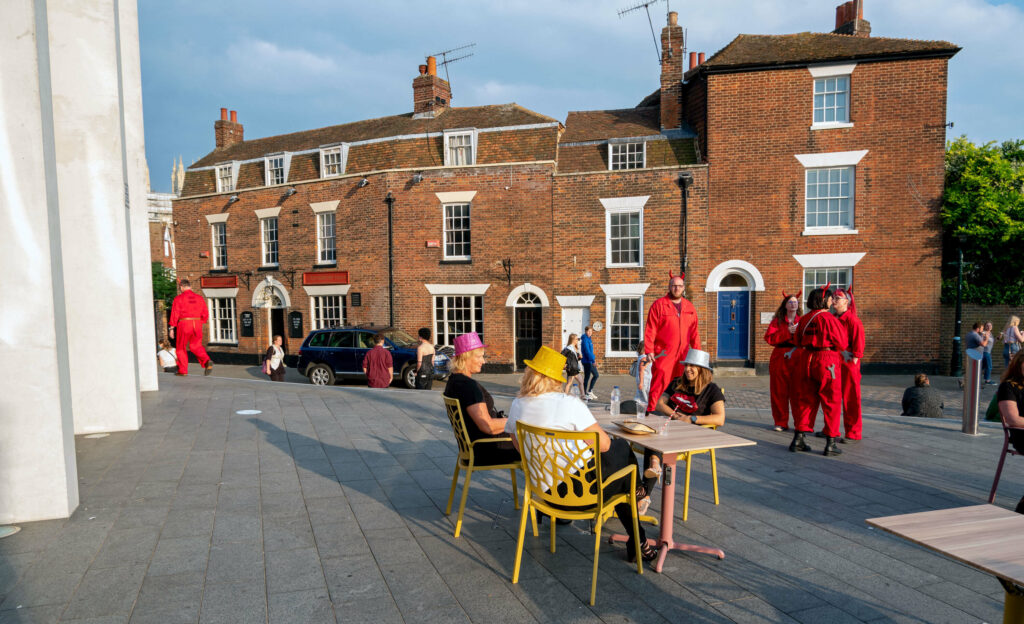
pixel 1011 338
pixel 573 374
pixel 986 353
pixel 188 313
pixel 377 364
pixel 780 366
pixel 274 360
pixel 670 332
pixel 590 373
pixel 1010 395
pixel 842 307
pixel 424 361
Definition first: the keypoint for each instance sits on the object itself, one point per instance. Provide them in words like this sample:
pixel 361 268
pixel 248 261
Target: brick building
pixel 778 163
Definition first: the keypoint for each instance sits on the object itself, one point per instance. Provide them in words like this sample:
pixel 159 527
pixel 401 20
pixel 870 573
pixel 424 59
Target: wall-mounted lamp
pixel 232 199
pixel 417 178
pixel 290 191
pixel 363 182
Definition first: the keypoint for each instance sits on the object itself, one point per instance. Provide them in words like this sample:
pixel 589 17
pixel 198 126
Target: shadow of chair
pixel 564 480
pixel 466 460
pixel 1007 450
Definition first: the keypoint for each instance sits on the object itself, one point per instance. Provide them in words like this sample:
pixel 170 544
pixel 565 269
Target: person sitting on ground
pixel 921 399
pixel 1011 405
pixel 541 403
pixel 166 358
pixel 692 397
pixel 478 413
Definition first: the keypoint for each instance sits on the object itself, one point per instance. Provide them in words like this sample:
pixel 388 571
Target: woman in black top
pixel 425 361
pixel 482 420
pixel 1010 395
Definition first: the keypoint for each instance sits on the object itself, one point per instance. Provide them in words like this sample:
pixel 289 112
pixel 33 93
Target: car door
pixel 342 353
pixel 363 342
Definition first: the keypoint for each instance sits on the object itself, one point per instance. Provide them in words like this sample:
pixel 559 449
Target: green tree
pixel 983 206
pixel 165 287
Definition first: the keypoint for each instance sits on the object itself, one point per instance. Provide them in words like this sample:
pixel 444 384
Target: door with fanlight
pixel 528 327
pixel 733 318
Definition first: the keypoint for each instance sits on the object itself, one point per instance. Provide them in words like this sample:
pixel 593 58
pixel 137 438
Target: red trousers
pixel 780 372
pixel 851 400
pixel 663 371
pixel 819 383
pixel 189 333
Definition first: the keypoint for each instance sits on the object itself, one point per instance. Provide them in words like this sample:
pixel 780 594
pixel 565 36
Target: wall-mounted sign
pixel 246 320
pixel 766 317
pixel 219 281
pixel 204 254
pixel 295 324
pixel 325 278
pixel 357 299
pixel 433 243
pixel 598 325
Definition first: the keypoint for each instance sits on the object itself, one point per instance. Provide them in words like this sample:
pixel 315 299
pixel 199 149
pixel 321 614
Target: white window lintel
pixel 457 289
pixel 821 261
pixel 624 203
pixel 217 218
pixel 220 293
pixel 831 69
pixel 625 290
pixel 575 301
pixel 456 197
pixel 331 289
pixel 266 213
pixel 831 159
pixel 327 206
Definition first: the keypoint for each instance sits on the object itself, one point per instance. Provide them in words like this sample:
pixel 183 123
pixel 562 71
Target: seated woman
pixel 922 399
pixel 1010 394
pixel 692 397
pixel 542 403
pixel 482 420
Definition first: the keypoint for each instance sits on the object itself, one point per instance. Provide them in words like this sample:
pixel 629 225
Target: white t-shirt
pixel 167 358
pixel 553 410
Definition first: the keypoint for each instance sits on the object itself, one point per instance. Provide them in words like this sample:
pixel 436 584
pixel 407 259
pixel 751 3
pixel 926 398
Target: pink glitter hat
pixel 468 342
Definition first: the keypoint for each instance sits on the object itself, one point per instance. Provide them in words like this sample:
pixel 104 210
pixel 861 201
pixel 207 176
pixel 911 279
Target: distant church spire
pixel 178 177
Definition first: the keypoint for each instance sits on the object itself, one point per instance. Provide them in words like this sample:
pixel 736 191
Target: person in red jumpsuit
pixel 821 338
pixel 188 313
pixel 780 366
pixel 670 331
pixel 844 310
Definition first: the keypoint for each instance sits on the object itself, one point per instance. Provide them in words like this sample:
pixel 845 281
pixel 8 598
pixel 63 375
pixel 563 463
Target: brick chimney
pixel 850 19
pixel 430 94
pixel 225 132
pixel 671 73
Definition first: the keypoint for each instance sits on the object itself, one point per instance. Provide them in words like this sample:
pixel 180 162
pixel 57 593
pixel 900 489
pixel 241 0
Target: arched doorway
pixel 272 296
pixel 527 302
pixel 733 318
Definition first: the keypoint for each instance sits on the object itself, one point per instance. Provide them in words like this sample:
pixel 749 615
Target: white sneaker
pixel 591 396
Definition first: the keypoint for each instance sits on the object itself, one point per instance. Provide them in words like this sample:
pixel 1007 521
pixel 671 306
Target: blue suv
pixel 337 353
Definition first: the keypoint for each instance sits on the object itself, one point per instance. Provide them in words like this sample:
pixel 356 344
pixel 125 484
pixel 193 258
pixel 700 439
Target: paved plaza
pixel 328 505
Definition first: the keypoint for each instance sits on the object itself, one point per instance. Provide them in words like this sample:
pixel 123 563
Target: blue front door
pixel 733 324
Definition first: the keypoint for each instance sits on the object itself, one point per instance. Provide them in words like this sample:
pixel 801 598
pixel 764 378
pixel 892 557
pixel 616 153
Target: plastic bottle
pixel 575 391
pixel 616 396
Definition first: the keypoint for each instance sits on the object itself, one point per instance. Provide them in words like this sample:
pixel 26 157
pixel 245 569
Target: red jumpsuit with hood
pixel 851 370
pixel 819 371
pixel 188 313
pixel 780 370
pixel 673 331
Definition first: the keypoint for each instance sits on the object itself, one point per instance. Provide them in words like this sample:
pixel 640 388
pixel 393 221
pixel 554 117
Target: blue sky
pixel 305 64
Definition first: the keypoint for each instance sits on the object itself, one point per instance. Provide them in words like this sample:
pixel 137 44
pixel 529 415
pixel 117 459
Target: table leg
pixel 1013 607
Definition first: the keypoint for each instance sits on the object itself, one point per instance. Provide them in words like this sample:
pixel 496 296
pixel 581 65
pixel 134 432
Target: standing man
pixel 590 373
pixel 842 307
pixel 188 313
pixel 670 332
pixel 377 364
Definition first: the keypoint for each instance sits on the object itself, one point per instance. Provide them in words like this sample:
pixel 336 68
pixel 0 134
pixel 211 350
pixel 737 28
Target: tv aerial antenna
pixel 445 60
pixel 646 6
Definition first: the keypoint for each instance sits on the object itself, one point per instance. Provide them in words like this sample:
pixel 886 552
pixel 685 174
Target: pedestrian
pixel 820 337
pixel 974 338
pixel 641 371
pixel 670 332
pixel 1011 405
pixel 188 313
pixel 1011 338
pixel 273 360
pixel 590 373
pixel 986 354
pixel 842 307
pixel 377 364
pixel 780 365
pixel 166 358
pixel 573 375
pixel 424 360
pixel 921 399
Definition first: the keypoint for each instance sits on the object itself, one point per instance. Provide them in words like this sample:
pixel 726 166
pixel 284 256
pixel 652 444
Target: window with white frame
pixel 219 232
pixel 332 161
pixel 325 238
pixel 327 311
pixel 268 235
pixel 455 315
pixel 460 148
pixel 626 155
pixel 831 99
pixel 456 232
pixel 817 277
pixel 222 320
pixel 829 197
pixel 625 324
pixel 275 170
pixel 625 235
pixel 225 178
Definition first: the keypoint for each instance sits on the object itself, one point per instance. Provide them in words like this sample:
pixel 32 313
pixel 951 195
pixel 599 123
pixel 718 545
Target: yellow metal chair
pixel 563 470
pixel 686 457
pixel 466 461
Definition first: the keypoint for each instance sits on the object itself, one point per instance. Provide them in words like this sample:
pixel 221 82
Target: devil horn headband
pixel 681 276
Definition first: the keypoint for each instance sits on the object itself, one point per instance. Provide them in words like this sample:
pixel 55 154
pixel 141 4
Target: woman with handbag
pixel 273 361
pixel 1011 338
pixel 573 371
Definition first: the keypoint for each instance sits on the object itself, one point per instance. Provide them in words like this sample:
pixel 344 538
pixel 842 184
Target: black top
pixel 922 401
pixel 469 392
pixel 687 403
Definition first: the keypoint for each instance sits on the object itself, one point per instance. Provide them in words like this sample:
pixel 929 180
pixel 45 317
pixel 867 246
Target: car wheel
pixel 320 375
pixel 409 377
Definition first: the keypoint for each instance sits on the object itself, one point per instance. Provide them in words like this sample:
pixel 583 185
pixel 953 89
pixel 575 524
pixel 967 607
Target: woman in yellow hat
pixel 542 403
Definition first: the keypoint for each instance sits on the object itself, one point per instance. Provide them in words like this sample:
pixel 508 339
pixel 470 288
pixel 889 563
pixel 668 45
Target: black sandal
pixel 647 553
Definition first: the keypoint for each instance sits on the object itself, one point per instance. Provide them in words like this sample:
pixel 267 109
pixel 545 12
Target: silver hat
pixel 698 358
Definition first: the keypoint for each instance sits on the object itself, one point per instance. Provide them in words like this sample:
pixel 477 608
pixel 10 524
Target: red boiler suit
pixel 851 374
pixel 188 313
pixel 780 370
pixel 819 371
pixel 673 332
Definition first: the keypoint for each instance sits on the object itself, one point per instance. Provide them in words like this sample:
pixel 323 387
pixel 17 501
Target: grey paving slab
pixel 169 599
pixel 308 606
pixel 239 603
pixel 235 561
pixel 179 554
pixel 106 592
pixel 293 570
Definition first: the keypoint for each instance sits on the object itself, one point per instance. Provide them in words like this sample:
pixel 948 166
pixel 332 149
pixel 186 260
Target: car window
pixel 366 340
pixel 319 340
pixel 342 339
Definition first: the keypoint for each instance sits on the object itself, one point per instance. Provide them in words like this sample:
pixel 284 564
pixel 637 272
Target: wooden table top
pixel 986 537
pixel 680 438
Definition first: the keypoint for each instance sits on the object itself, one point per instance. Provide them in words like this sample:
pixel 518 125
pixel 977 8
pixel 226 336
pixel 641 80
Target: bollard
pixel 972 391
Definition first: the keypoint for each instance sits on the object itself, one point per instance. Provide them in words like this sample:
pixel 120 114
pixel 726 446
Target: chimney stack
pixel 227 133
pixel 430 94
pixel 671 73
pixel 850 19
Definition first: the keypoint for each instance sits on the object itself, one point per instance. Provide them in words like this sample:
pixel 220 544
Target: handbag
pixel 634 368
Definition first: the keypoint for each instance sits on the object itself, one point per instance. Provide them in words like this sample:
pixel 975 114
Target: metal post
pixel 389 198
pixel 972 392
pixel 956 362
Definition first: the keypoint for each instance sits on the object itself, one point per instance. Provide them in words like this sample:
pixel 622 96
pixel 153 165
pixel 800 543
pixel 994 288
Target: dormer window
pixel 333 160
pixel 459 147
pixel 276 168
pixel 225 178
pixel 626 155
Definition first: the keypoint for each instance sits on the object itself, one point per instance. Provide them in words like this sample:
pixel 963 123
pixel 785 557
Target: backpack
pixel 572 363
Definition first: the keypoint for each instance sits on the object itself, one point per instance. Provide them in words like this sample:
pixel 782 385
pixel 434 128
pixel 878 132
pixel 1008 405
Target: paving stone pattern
pixel 329 506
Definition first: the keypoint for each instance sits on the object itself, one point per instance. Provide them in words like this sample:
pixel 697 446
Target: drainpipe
pixel 685 180
pixel 389 198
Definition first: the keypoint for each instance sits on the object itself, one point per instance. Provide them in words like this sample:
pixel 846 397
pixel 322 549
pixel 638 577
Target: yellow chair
pixel 686 457
pixel 553 458
pixel 466 461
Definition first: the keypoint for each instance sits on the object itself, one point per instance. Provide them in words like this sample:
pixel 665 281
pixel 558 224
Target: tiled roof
pixel 807 47
pixel 610 124
pixel 495 116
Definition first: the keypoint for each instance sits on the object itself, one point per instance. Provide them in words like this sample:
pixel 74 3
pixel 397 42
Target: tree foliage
pixel 983 211
pixel 165 287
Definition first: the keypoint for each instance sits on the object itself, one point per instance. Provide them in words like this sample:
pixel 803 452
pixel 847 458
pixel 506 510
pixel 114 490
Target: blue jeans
pixel 1010 350
pixel 986 365
pixel 590 376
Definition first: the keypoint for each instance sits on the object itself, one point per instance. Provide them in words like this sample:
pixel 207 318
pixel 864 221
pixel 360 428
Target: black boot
pixel 798 443
pixel 831 448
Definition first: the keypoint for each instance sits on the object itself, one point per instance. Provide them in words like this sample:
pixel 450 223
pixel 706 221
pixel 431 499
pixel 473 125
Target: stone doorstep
pixel 734 371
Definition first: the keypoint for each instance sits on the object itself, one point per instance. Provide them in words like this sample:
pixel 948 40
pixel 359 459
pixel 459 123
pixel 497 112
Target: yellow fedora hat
pixel 549 363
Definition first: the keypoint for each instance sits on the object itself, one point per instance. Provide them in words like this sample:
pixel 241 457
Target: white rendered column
pixel 38 475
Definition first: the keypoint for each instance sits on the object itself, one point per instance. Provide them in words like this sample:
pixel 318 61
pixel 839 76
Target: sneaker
pixel 780 428
pixel 591 396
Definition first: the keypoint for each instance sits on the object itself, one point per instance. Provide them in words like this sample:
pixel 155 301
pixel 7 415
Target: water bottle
pixel 575 391
pixel 616 395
